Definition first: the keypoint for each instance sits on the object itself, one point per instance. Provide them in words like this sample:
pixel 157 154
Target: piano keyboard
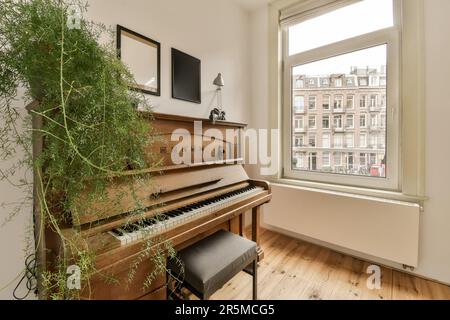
pixel 169 220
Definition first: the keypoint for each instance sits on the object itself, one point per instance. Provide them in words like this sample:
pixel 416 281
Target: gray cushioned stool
pixel 212 262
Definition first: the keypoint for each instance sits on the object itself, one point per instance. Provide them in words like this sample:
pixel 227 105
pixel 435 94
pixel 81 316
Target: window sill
pixel 348 191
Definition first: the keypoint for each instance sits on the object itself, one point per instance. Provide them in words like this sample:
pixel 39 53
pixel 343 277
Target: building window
pixel 299 160
pixel 337 122
pixel 363 101
pixel 312 122
pixel 363 140
pixel 363 159
pixel 350 82
pixel 338 103
pixel 326 122
pixel 299 124
pixel 349 140
pixel 338 141
pixel 374 121
pixel 299 83
pixel 312 140
pixel 350 121
pixel 326 141
pixel 299 104
pixel 299 141
pixel 362 121
pixel 337 159
pixel 312 161
pixel 350 102
pixel 373 101
pixel 326 102
pixel 357 68
pixel 312 102
pixel 363 82
pixel 326 161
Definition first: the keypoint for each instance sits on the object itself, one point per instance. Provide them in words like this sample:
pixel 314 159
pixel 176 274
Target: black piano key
pixel 117 232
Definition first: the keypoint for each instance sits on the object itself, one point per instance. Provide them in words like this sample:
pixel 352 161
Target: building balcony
pixel 338 110
pixel 299 130
pixel 342 129
pixel 299 111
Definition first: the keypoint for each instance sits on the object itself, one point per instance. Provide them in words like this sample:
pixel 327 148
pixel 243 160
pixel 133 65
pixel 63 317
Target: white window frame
pixel 313 97
pixel 328 159
pixel 324 145
pixel 329 122
pixel 310 127
pixel 352 116
pixel 391 37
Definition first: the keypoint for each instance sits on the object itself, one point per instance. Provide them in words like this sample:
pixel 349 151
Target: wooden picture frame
pixel 143 56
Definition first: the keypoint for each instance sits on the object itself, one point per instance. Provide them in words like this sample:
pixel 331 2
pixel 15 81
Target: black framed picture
pixel 142 55
pixel 186 77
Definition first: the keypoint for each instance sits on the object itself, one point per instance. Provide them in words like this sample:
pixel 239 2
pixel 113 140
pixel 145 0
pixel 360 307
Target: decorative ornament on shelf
pixel 217 113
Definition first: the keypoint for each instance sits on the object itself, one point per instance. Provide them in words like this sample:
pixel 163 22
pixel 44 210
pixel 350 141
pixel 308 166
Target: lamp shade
pixel 218 81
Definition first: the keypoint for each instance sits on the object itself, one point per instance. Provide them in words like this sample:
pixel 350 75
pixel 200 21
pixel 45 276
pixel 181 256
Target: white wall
pixel 217 32
pixel 434 252
pixel 214 31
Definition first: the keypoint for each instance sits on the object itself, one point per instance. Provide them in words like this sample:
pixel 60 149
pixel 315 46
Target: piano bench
pixel 210 263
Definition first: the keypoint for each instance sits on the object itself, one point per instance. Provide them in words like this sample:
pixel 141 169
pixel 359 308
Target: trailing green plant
pixel 91 132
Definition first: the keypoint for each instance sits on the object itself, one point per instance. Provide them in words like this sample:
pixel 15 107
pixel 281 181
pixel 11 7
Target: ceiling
pixel 251 5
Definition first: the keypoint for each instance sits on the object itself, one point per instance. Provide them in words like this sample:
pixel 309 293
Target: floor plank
pixel 294 269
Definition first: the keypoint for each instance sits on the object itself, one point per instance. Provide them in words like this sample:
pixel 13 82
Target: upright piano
pixel 195 199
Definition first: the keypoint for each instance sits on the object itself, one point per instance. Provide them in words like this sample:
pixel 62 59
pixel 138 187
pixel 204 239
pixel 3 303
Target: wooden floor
pixel 293 269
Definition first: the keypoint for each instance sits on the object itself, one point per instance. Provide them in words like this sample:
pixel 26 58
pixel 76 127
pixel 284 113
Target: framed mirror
pixel 142 55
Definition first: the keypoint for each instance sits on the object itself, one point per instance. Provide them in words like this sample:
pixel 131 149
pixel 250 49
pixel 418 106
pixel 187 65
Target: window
pixel 350 82
pixel 299 83
pixel 350 102
pixel 348 22
pixel 363 81
pixel 299 104
pixel 364 36
pixel 350 123
pixel 363 140
pixel 325 141
pixel 312 161
pixel 373 121
pixel 326 122
pixel 363 159
pixel 312 122
pixel 299 159
pixel 337 158
pixel 373 101
pixel 299 141
pixel 349 140
pixel 363 101
pixel 312 103
pixel 338 103
pixel 337 122
pixel 299 124
pixel 362 121
pixel 326 161
pixel 338 141
pixel 326 102
pixel 312 140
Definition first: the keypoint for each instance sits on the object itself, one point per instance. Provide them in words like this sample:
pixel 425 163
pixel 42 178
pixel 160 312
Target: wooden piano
pixel 196 199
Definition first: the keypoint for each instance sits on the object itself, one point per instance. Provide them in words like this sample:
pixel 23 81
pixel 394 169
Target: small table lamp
pixel 218 113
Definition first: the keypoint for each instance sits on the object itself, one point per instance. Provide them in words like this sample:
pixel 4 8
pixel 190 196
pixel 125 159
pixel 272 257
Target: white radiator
pixel 385 229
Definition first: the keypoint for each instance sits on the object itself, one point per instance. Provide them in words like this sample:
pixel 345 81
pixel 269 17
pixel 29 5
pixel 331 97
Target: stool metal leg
pixel 255 279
